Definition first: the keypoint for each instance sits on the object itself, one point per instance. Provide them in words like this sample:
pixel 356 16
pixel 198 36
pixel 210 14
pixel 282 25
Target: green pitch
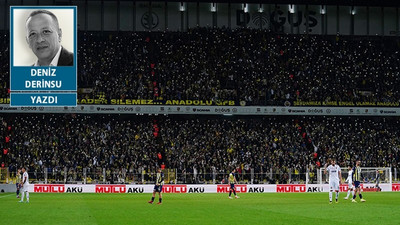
pixel 301 208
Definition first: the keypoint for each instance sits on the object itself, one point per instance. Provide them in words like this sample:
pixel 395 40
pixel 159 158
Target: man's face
pixel 358 163
pixel 333 162
pixel 43 36
pixel 23 170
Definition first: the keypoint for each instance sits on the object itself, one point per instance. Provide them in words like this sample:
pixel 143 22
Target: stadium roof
pixel 387 3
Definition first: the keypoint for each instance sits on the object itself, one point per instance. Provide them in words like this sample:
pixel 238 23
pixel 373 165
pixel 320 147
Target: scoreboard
pixel 43 56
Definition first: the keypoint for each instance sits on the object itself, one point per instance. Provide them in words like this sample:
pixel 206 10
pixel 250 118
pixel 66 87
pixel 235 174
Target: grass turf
pixel 251 208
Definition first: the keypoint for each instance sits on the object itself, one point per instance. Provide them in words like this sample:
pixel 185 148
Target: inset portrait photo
pixel 42 36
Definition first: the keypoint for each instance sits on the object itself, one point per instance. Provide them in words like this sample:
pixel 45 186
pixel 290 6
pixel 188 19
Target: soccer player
pixel 377 179
pixel 25 185
pixel 158 187
pixel 335 177
pixel 18 181
pixel 349 180
pixel 232 182
pixel 357 179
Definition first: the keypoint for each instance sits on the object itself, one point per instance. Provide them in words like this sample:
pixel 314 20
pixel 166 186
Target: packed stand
pixel 255 66
pixel 4 65
pixel 208 144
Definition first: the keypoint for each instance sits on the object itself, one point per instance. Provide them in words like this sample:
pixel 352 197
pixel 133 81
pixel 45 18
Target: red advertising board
pixel 102 188
pixel 224 188
pixel 177 188
pixel 291 188
pixel 49 188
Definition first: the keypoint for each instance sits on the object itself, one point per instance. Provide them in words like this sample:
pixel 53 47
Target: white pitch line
pixel 6 196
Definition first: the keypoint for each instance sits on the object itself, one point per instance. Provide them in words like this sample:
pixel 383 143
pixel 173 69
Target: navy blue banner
pixel 43 55
pixel 57 78
pixel 43 99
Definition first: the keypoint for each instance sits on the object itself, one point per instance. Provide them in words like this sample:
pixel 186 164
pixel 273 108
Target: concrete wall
pixel 7 188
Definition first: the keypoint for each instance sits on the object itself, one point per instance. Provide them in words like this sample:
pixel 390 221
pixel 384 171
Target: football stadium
pixel 199 112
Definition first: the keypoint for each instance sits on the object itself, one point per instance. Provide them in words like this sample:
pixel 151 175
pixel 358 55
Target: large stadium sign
pixel 194 188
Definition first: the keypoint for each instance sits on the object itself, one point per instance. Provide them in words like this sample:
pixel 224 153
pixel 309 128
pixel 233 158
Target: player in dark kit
pixel 377 179
pixel 18 181
pixel 232 182
pixel 357 181
pixel 158 187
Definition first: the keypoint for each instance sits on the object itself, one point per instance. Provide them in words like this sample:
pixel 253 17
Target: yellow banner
pixel 155 102
pixel 340 103
pixel 4 100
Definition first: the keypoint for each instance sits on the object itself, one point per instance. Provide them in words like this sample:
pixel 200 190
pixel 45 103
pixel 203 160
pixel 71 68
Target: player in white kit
pixel 25 185
pixel 349 180
pixel 335 177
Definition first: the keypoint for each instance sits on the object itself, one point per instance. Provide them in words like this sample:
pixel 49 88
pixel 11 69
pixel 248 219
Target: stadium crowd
pixel 130 144
pixel 4 65
pixel 255 66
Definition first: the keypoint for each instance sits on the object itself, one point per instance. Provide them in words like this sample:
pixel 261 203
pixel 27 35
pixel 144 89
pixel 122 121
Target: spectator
pixel 198 145
pixel 255 66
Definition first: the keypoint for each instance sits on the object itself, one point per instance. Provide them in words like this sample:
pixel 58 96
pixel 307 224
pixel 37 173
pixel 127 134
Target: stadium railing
pixel 172 176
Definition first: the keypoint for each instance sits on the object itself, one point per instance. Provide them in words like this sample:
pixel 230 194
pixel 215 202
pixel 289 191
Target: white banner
pixel 209 110
pixel 198 188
